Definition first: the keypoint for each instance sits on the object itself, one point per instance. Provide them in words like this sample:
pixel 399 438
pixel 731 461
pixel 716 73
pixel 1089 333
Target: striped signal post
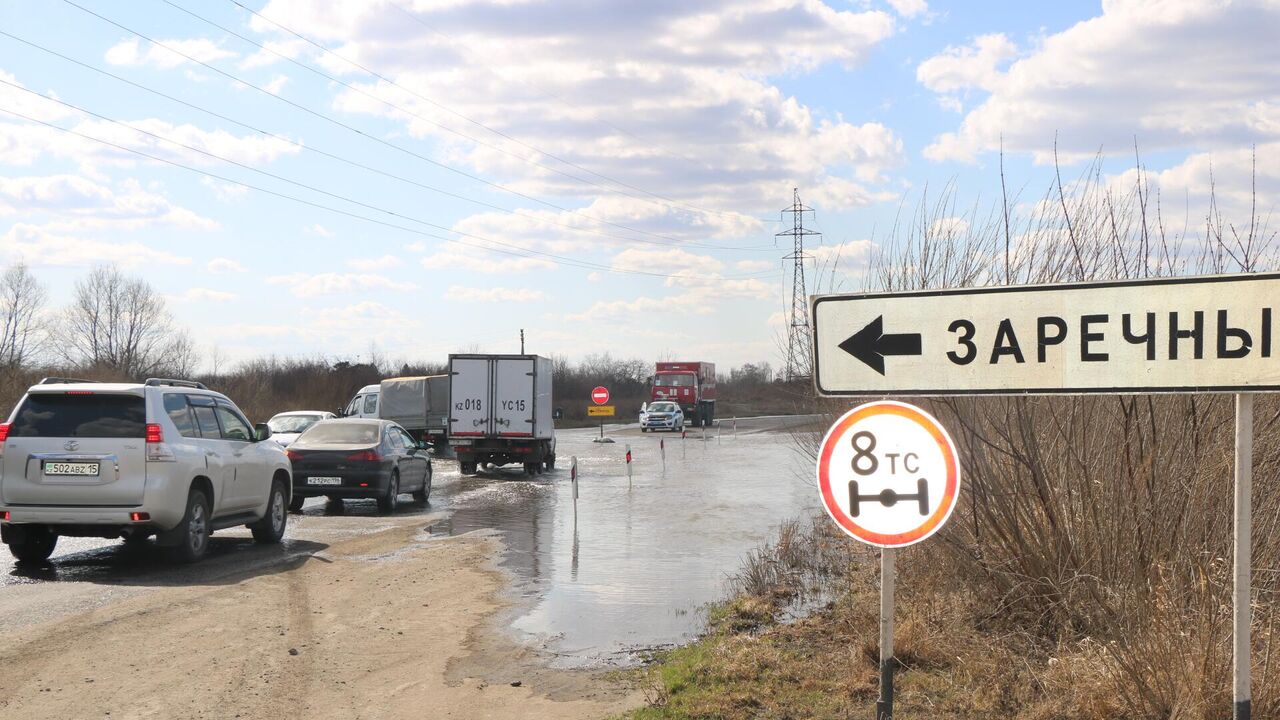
pixel 662 450
pixel 628 464
pixel 573 478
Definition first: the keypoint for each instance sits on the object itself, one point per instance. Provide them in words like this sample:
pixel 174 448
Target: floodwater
pixel 631 570
pixel 638 562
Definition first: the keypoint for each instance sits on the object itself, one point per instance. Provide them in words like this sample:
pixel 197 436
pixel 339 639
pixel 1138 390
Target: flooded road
pixel 632 570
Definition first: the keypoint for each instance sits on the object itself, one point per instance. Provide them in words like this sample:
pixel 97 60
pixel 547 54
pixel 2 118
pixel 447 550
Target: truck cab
pixel 691 385
pixel 364 404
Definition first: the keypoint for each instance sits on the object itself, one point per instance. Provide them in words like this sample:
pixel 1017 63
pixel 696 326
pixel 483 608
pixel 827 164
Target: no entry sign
pixel 600 395
pixel 889 474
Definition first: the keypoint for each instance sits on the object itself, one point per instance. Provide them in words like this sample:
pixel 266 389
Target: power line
pixel 353 129
pixel 665 200
pixel 517 251
pixel 312 149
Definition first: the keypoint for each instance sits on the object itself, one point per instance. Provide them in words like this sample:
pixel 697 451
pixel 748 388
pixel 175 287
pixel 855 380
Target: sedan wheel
pixel 387 503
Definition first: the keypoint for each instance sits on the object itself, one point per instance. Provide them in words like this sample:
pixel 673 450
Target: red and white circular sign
pixel 600 395
pixel 889 474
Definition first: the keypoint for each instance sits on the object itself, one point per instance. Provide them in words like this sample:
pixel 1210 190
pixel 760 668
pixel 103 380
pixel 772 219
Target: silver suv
pixel 169 458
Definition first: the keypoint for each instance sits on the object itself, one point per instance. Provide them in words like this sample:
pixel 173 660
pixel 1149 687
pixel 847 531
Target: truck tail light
pixel 157 451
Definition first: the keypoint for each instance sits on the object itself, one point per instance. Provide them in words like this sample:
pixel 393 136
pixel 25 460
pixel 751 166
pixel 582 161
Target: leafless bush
pixel 1102 523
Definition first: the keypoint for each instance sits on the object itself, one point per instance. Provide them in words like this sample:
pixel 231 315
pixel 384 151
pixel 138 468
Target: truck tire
pixel 36 545
pixel 551 462
pixel 467 468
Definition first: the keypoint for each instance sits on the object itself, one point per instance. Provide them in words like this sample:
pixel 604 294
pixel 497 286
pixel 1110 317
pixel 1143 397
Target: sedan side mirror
pixel 261 432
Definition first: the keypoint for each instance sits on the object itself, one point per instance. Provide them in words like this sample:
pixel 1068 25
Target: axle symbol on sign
pixel 888 497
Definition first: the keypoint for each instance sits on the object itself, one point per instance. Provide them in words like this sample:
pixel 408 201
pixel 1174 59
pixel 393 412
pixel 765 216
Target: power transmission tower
pixel 799 334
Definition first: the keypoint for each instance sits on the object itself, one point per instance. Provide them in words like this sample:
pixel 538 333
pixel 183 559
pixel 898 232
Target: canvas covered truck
pixel 692 385
pixel 419 404
pixel 500 412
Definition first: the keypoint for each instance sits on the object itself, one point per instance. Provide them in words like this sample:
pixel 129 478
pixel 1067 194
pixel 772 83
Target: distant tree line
pixel 118 327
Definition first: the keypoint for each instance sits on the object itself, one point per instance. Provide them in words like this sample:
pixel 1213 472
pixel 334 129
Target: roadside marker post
pixel 662 450
pixel 889 476
pixel 628 464
pixel 1191 335
pixel 573 478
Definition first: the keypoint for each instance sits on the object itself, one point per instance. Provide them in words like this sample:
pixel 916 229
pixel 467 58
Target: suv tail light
pixel 365 456
pixel 4 435
pixel 157 451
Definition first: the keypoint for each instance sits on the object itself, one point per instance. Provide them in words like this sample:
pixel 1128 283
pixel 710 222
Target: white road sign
pixel 1196 334
pixel 888 474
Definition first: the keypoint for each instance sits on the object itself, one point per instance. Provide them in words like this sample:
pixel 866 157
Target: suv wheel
pixel 193 532
pixel 295 503
pixel 36 545
pixel 270 529
pixel 387 503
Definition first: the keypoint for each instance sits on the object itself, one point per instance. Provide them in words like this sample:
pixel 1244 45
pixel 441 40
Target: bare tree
pixel 121 323
pixel 22 297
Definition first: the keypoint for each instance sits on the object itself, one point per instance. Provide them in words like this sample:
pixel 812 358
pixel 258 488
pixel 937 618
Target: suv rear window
pixel 87 416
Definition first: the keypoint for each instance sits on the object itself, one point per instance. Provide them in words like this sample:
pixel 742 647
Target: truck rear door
pixel 513 397
pixel 76 448
pixel 469 395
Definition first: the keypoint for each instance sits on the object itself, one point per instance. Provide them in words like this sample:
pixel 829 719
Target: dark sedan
pixel 359 458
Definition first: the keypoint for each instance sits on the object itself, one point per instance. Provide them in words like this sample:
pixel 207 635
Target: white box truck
pixel 500 411
pixel 419 404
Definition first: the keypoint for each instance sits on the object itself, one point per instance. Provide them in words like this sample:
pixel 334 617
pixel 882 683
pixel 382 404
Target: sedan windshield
pixel 340 433
pixel 662 407
pixel 292 423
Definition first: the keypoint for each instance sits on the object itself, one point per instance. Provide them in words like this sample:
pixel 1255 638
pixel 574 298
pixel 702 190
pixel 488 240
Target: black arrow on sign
pixel 870 344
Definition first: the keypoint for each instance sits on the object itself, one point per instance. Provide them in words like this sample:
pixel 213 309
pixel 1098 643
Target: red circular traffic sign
pixel 600 395
pixel 889 474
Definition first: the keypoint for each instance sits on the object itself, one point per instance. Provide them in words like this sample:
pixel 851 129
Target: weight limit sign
pixel 889 474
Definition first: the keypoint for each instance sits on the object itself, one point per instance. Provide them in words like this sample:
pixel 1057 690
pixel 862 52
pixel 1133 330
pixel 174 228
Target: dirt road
pixel 383 625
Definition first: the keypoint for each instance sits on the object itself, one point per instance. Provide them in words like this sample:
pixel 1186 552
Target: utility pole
pixel 799 334
pixel 521 341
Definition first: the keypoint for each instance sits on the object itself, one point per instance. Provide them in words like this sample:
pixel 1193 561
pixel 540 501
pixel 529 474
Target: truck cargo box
pixel 420 404
pixel 500 396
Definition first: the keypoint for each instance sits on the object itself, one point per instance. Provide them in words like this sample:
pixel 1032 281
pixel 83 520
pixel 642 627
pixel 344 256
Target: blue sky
pixel 611 172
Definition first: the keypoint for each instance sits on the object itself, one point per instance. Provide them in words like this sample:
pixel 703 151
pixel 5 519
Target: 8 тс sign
pixel 889 474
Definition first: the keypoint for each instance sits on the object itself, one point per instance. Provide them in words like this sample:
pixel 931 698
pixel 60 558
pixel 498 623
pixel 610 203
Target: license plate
pixel 71 468
pixel 324 481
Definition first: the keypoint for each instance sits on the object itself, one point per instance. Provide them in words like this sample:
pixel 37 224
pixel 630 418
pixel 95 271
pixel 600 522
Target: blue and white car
pixel 662 415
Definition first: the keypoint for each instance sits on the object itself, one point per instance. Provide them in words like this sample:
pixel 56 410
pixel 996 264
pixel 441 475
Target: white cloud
pixel 276 84
pixel 752 266
pixel 457 293
pixel 489 265
pixel 84 203
pixel 669 261
pixel 956 69
pixel 1175 74
pixel 318 229
pixel 304 286
pixel 909 8
pixel 224 191
pixel 37 246
pixel 220 266
pixel 198 294
pixel 691 79
pixel 134 53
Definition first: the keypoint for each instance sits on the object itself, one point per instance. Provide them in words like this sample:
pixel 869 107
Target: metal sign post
pixel 1242 613
pixel 889 476
pixel 884 706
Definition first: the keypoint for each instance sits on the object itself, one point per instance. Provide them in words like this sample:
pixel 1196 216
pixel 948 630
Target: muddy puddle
pixel 636 566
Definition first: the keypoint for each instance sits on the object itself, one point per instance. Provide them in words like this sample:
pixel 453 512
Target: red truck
pixel 692 385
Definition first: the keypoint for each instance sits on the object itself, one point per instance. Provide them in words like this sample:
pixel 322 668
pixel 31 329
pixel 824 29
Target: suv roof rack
pixel 154 382
pixel 61 381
